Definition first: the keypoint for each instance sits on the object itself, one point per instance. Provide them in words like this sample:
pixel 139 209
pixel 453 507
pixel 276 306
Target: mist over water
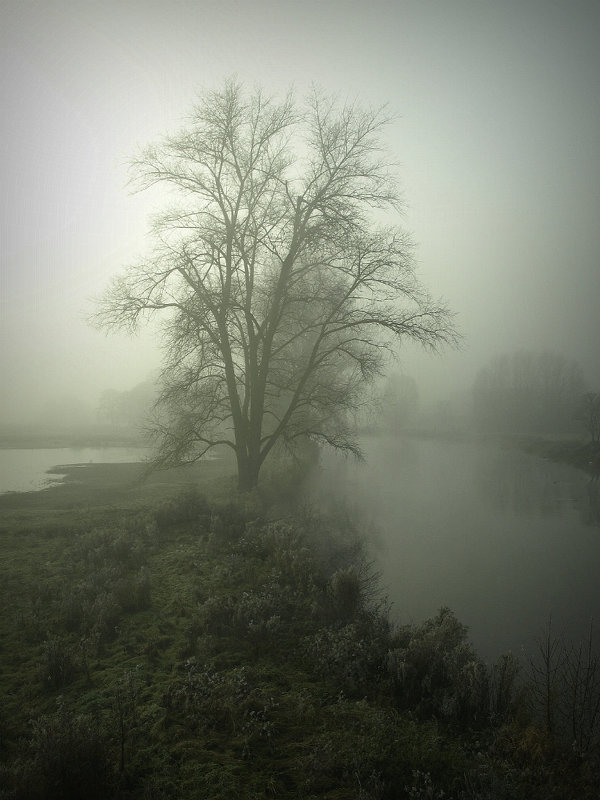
pixel 506 539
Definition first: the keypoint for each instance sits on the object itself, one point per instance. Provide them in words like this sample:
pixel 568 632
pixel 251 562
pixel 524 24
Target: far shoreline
pixel 29 437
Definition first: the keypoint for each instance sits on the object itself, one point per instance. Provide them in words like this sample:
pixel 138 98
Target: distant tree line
pixel 589 415
pixel 130 407
pixel 399 402
pixel 531 392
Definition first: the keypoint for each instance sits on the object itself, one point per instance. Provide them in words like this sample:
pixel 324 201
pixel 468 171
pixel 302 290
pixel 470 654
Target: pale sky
pixel 497 132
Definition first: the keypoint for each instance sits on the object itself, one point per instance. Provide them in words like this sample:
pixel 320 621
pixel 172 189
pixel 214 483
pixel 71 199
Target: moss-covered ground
pixel 167 639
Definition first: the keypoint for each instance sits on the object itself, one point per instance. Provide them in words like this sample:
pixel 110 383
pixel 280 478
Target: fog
pixel 496 134
pixel 214 616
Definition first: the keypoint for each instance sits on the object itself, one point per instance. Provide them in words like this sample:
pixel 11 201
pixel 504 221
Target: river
pixel 506 539
pixel 26 470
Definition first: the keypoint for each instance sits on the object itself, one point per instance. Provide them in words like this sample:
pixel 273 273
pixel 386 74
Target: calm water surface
pixel 506 539
pixel 27 470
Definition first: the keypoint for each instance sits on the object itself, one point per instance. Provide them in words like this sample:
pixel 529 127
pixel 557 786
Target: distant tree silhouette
pixel 399 401
pixel 589 415
pixel 529 392
pixel 130 407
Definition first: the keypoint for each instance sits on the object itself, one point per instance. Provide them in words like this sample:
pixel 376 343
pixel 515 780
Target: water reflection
pixel 592 512
pixel 504 538
pixel 525 485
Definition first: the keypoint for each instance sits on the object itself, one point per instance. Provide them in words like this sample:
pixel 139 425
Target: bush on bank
pixel 203 650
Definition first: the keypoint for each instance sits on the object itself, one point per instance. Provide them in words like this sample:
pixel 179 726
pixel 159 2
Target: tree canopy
pixel 279 293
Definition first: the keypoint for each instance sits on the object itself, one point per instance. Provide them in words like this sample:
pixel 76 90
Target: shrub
pixel 143 588
pixel 66 758
pixel 292 558
pixel 564 692
pixel 345 592
pixel 207 698
pixel 255 610
pixel 118 548
pixel 143 526
pixel 189 506
pixel 133 592
pixel 277 556
pixel 124 706
pixel 114 580
pixel 72 608
pixel 503 678
pixel 104 616
pixel 258 726
pixel 214 615
pixel 372 753
pixel 227 523
pixel 57 666
pixel 422 787
pixel 435 670
pixel 352 655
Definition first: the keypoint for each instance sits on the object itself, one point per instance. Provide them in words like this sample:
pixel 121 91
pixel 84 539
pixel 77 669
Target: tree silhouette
pixel 280 296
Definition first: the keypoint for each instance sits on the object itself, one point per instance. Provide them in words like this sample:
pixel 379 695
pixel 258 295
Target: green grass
pixel 157 642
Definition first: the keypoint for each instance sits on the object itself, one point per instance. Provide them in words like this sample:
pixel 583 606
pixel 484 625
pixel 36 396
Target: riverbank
pixel 92 487
pixel 582 455
pixel 34 437
pixel 221 648
pixel 203 645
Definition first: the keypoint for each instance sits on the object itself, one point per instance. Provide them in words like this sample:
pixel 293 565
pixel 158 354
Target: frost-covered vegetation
pixel 195 649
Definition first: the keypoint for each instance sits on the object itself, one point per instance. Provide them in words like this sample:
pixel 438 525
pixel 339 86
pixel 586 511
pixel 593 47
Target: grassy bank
pixel 158 642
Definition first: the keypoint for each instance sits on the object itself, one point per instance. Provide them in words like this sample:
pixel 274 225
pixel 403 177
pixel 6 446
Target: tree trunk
pixel 248 469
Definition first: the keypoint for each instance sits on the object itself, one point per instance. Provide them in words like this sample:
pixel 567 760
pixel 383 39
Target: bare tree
pixel 589 415
pixel 280 296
